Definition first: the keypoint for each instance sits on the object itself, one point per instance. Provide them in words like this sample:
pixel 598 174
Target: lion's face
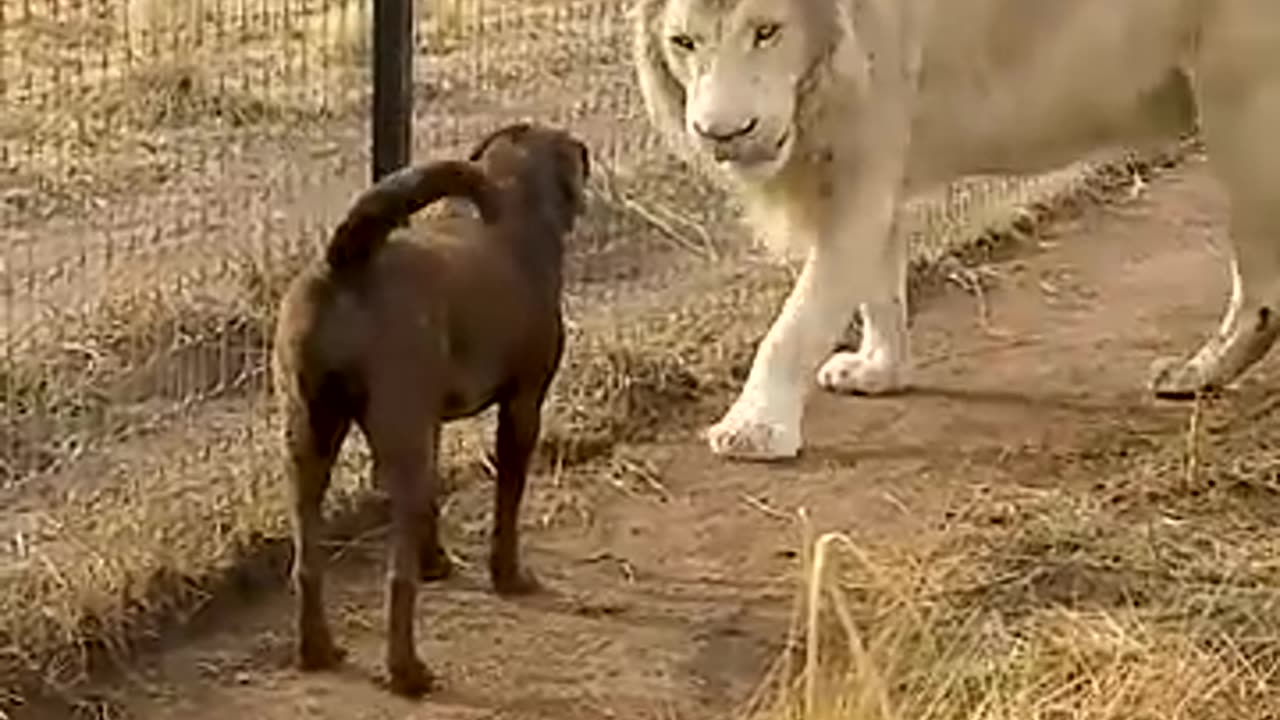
pixel 740 62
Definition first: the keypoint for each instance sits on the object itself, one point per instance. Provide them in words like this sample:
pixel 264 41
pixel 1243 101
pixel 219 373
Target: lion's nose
pixel 723 133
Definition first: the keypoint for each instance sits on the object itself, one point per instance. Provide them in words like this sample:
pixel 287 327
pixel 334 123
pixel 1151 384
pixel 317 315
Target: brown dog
pixel 399 331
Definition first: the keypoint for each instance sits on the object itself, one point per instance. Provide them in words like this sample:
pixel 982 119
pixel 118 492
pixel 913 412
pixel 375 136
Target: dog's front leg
pixel 845 265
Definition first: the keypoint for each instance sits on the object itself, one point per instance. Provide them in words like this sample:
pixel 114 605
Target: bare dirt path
pixel 672 599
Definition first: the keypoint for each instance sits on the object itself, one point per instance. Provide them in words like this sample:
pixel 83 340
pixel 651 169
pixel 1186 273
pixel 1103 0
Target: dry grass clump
pixel 1104 619
pixel 120 367
pixel 1143 594
pixel 182 93
pixel 167 525
pixel 628 377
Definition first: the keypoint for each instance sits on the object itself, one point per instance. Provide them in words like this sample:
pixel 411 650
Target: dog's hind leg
pixel 519 422
pixel 312 440
pixel 404 438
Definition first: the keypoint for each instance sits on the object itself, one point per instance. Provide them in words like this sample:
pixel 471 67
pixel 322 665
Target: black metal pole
pixel 392 84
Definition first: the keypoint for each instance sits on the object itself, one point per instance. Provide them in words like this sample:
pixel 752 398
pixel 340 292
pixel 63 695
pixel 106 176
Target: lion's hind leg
pixel 882 362
pixel 880 365
pixel 1240 95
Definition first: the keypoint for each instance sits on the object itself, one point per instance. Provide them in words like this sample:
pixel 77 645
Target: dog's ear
pixel 514 131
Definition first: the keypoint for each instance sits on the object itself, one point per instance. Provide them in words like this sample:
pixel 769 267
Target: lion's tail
pixel 396 196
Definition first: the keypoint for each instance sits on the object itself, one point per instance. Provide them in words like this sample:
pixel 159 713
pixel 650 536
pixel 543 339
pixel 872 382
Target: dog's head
pixel 548 167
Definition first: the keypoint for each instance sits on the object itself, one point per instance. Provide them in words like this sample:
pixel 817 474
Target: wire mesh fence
pixel 165 165
pixel 163 158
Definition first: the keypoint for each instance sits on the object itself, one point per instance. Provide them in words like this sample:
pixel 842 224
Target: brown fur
pixel 401 330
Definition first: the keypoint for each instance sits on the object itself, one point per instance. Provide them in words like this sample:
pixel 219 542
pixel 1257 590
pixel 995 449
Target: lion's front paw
pixel 861 373
pixel 754 435
pixel 1174 378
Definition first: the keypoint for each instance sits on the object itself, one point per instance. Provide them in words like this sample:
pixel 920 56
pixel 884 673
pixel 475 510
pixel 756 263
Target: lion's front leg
pixel 846 262
pixel 882 362
pixel 764 422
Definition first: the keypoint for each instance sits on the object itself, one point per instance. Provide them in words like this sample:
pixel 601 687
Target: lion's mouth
pixel 753 157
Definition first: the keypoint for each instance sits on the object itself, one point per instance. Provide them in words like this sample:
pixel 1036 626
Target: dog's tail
pixel 396 196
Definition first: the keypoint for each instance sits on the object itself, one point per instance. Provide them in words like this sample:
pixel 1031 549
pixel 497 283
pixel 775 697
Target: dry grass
pixel 1141 597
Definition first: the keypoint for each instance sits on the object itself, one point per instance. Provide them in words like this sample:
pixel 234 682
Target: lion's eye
pixel 767 33
pixel 683 42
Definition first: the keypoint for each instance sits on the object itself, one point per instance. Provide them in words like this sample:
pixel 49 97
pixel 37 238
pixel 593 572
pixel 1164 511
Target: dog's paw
pixel 435 565
pixel 515 582
pixel 409 678
pixel 860 373
pixel 754 436
pixel 319 653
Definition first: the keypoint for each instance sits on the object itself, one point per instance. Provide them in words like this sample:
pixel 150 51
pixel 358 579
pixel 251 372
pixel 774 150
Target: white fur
pixel 853 105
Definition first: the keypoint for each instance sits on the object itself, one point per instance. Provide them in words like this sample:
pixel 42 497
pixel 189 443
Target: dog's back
pixel 476 298
pixel 370 267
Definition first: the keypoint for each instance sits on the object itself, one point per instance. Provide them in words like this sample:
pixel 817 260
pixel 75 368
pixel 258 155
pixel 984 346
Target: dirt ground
pixel 671 598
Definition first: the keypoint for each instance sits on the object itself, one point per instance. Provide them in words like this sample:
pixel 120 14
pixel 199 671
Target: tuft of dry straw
pixel 866 671
pixel 918 645
pixel 1191 476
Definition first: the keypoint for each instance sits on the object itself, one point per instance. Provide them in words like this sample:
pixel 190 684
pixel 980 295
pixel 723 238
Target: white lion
pixel 824 114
